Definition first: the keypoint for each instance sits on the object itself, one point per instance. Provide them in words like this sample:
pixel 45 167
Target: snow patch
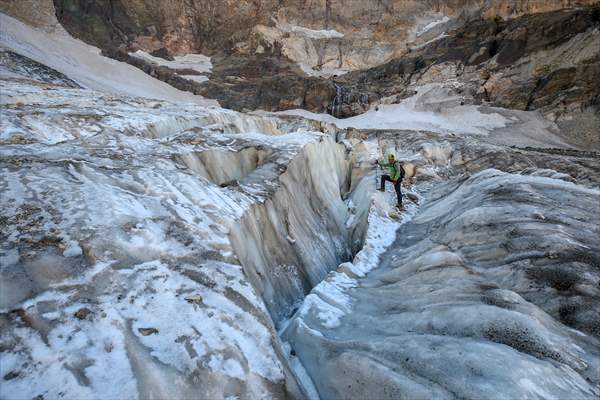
pixel 195 62
pixel 85 65
pixel 195 78
pixel 420 46
pixel 432 25
pixel 418 112
pixel 309 33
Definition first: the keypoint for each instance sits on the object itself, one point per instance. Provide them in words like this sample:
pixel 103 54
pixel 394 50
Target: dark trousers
pixel 385 178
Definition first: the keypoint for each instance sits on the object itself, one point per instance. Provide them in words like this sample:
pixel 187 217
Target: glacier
pixel 156 245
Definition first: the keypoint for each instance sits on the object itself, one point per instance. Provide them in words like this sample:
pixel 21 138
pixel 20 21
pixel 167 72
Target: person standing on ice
pixel 396 175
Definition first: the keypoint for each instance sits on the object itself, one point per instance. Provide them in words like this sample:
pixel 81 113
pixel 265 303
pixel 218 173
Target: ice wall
pixel 288 243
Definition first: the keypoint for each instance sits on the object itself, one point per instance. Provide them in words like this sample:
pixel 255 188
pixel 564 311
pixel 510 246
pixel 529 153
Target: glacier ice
pixel 176 250
pixel 125 269
pixel 467 301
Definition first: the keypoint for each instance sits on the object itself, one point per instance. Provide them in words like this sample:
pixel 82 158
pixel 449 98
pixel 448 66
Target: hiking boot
pixel 400 207
pixel 381 190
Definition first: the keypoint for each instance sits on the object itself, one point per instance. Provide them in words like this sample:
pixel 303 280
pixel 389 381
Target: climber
pixel 396 175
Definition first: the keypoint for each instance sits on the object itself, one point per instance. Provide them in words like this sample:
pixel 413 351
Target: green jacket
pixel 395 168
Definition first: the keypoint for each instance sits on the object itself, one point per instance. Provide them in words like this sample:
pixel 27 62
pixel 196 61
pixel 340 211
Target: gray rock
pixel 83 313
pixel 148 331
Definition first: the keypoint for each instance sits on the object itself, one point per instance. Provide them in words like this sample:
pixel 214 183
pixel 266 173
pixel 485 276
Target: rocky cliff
pixel 546 62
pixel 334 33
pixel 278 55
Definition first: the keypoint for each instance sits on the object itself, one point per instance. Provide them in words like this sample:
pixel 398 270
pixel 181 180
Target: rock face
pixel 520 63
pixel 325 33
pixel 546 62
pixel 245 83
pixel 264 52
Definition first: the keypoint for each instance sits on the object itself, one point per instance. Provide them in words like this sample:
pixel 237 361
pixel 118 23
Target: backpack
pixel 399 167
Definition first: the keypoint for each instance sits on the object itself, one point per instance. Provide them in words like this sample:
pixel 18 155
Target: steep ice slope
pixel 491 290
pixel 84 64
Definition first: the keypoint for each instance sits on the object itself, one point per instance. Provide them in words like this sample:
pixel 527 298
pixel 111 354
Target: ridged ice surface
pixel 491 290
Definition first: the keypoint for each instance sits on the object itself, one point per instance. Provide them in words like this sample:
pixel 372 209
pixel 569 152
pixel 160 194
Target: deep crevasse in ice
pixel 119 273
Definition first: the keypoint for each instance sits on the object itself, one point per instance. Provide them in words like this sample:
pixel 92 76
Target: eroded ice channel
pixel 128 270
